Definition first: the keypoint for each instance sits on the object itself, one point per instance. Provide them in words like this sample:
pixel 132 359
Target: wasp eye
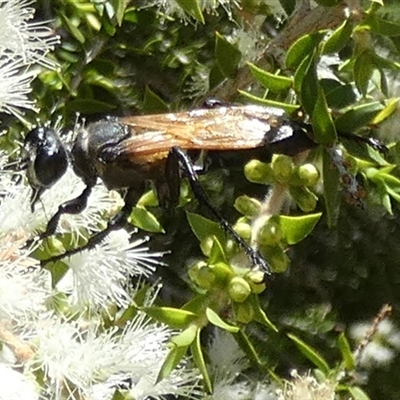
pixel 48 160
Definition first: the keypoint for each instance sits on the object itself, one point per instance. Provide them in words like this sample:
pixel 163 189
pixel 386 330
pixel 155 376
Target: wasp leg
pixel 179 157
pixel 117 222
pixel 74 206
pixel 370 141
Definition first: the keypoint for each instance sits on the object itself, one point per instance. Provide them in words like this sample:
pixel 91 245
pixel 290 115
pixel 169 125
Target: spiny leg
pixel 177 157
pixel 117 222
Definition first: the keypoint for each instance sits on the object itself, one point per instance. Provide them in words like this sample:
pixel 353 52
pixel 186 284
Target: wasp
pixel 127 152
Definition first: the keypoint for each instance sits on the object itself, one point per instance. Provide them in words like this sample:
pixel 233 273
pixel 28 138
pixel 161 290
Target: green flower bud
pixel 308 174
pixel 259 172
pixel 202 275
pixel 223 272
pixel 238 289
pixel 277 258
pixel 305 199
pixel 247 206
pixel 282 166
pixel 206 245
pixel 270 234
pixel 244 312
pixel 243 229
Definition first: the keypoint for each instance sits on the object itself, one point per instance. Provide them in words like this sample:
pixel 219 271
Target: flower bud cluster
pixel 282 170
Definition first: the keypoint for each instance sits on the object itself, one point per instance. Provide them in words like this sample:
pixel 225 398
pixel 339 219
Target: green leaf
pixel 358 394
pixel 171 361
pixel 192 7
pixel 358 117
pixel 119 8
pixel 152 103
pixel 363 68
pixel 259 313
pixel 347 354
pixel 246 345
pixel 381 26
pixel 196 304
pixel 295 229
pixel 74 30
pixel 198 358
pixel 217 253
pixel 173 317
pixel 216 320
pixel 339 38
pixel 226 55
pixel 306 44
pixel 331 188
pixel 145 220
pixel 275 83
pixel 203 228
pixel 185 338
pixel 390 107
pixel 309 86
pixel 310 353
pixel 323 126
pixel 338 95
pixel 289 108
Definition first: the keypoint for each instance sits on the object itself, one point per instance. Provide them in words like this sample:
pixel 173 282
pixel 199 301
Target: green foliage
pixel 118 58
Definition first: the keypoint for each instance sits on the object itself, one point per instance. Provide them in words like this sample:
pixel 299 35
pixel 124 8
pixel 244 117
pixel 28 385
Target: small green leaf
pixel 246 345
pixel 192 7
pixel 304 45
pixel 310 353
pixel 289 108
pixel 381 26
pixel 390 108
pixel 331 188
pixel 259 313
pixel 74 30
pixel 196 304
pixel 185 338
pixel 275 83
pixel 338 95
pixel 171 361
pixel 309 86
pixel 119 8
pixel 227 56
pixel 173 317
pixel 347 354
pixel 216 320
pixel 295 229
pixel 363 68
pixel 203 228
pixel 217 253
pixel 153 103
pixel 323 126
pixel 145 220
pixel 358 117
pixel 198 358
pixel 339 38
pixel 358 394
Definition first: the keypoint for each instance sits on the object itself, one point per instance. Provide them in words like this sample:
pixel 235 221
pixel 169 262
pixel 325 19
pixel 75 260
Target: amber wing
pixel 223 128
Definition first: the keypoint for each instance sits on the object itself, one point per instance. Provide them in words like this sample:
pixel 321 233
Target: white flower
pixel 15 386
pixel 22 44
pixel 24 287
pixel 80 360
pixel 16 214
pixel 227 359
pixel 381 349
pixel 20 39
pixel 306 387
pixel 101 276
